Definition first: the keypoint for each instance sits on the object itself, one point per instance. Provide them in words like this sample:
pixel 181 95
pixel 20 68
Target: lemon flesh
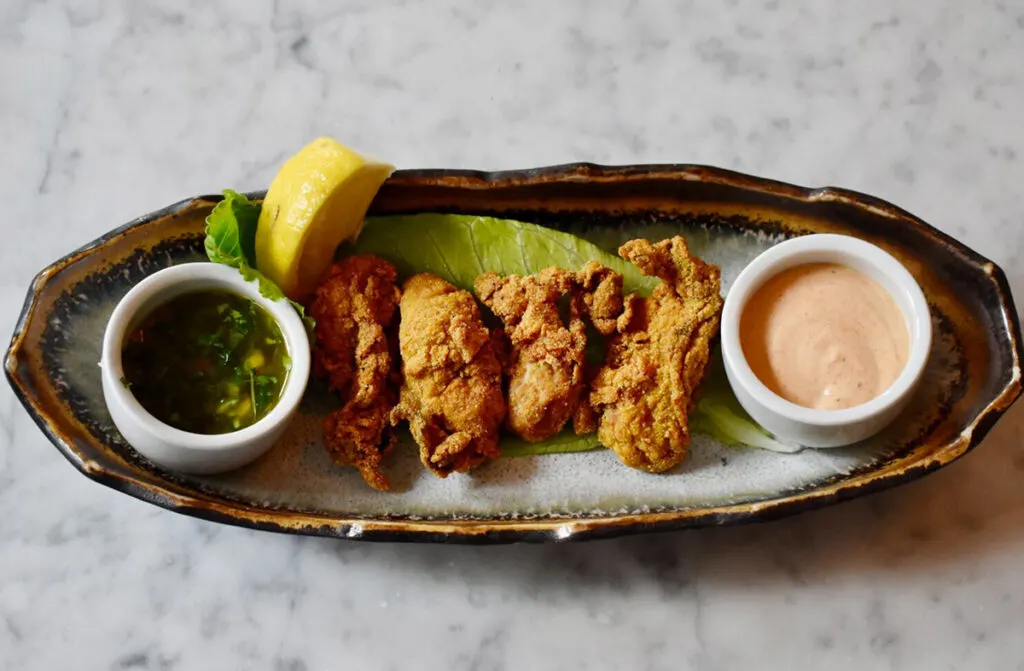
pixel 317 201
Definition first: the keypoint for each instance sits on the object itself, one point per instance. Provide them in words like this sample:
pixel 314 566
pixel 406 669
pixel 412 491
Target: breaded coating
pixel 644 392
pixel 451 387
pixel 546 368
pixel 601 289
pixel 353 307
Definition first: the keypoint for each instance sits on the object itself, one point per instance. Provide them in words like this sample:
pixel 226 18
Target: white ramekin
pixel 173 448
pixel 808 426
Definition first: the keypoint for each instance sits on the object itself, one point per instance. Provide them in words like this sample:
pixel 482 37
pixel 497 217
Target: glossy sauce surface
pixel 206 362
pixel 825 336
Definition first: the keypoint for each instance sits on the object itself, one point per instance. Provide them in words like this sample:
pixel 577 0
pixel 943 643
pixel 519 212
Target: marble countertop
pixel 112 109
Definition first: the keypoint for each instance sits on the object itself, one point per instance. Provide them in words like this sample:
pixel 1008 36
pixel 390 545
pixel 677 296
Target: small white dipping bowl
pixel 812 427
pixel 173 448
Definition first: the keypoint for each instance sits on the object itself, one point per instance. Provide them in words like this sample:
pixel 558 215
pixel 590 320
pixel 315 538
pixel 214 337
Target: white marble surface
pixel 111 109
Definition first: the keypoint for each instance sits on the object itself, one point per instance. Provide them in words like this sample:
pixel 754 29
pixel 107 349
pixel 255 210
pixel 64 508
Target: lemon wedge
pixel 317 201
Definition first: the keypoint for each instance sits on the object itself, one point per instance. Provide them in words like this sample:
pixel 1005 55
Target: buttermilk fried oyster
pixel 451 388
pixel 643 394
pixel 545 371
pixel 353 307
pixel 545 366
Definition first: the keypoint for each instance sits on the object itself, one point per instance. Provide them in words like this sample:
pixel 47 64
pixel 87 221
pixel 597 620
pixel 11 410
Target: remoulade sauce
pixel 824 336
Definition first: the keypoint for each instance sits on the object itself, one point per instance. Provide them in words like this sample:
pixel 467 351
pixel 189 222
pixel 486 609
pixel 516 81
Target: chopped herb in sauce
pixel 207 362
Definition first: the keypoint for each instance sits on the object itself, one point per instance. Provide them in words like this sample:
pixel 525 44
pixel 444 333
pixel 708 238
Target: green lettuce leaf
pixel 719 414
pixel 231 240
pixel 459 247
pixel 231 231
pixel 564 442
pixel 270 290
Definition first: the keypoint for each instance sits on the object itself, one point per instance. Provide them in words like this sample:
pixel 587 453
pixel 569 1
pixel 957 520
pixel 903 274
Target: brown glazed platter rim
pixel 508 530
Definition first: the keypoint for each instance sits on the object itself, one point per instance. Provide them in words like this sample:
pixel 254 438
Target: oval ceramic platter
pixel 973 373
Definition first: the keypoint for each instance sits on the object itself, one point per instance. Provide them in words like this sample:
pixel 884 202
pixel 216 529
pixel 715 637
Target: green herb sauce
pixel 206 362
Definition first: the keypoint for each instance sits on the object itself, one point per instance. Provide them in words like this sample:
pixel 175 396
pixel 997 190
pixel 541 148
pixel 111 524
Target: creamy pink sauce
pixel 824 335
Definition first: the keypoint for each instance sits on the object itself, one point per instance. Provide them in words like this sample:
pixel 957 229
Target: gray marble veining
pixel 112 109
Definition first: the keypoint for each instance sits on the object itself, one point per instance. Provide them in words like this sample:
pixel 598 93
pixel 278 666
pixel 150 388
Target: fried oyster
pixel 353 308
pixel 546 361
pixel 451 376
pixel 644 392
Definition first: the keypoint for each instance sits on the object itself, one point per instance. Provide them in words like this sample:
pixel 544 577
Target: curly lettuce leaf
pixel 271 291
pixel 231 241
pixel 231 231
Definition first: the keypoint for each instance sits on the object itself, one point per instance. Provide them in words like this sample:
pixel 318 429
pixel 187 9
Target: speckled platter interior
pixel 973 373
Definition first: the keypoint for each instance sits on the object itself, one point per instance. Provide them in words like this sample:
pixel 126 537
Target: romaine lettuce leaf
pixel 565 441
pixel 460 247
pixel 719 414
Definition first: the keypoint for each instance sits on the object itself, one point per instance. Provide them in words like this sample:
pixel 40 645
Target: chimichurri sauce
pixel 207 362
